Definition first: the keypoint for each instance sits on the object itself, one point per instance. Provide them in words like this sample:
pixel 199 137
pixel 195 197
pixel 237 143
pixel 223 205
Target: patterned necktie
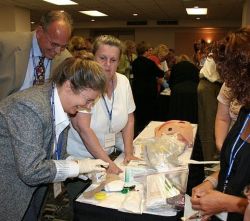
pixel 39 72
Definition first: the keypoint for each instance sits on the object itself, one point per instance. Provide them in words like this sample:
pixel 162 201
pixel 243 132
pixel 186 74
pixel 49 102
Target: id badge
pixel 57 187
pixel 109 140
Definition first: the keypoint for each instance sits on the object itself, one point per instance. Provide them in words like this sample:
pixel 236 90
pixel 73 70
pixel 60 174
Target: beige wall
pixel 14 19
pixel 82 32
pixel 185 38
pixel 155 36
pixel 246 13
pixel 180 39
pixel 22 19
pixel 7 21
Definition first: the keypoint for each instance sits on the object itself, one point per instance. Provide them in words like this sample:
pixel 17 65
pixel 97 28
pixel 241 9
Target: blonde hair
pixel 76 43
pixel 129 45
pixel 83 54
pixel 81 73
pixel 107 40
pixel 161 50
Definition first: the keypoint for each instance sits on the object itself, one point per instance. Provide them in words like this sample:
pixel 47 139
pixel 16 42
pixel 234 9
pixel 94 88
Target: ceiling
pixel 122 10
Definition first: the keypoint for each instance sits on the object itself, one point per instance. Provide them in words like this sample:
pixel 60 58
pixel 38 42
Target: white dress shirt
pixel 35 53
pixel 65 168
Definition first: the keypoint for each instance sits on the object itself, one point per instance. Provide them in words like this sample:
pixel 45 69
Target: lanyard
pixel 235 151
pixel 106 105
pixel 58 144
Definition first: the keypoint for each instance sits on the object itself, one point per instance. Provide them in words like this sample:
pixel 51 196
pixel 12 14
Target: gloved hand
pixel 91 165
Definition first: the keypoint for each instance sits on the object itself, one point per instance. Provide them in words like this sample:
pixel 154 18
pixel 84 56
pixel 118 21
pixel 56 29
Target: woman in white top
pixel 110 123
pixel 227 113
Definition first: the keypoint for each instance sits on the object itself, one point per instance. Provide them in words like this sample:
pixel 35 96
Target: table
pixel 90 211
pixel 87 212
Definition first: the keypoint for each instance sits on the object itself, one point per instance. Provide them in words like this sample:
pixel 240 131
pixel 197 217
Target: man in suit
pixel 31 123
pixel 20 51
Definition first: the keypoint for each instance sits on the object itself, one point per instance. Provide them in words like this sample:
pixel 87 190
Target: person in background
pixel 129 55
pixel 200 53
pixel 78 48
pixel 110 123
pixel 171 61
pixel 183 70
pixel 22 51
pixel 222 192
pixel 76 43
pixel 159 55
pixel 183 82
pixel 196 47
pixel 146 74
pixel 208 89
pixel 89 44
pixel 33 134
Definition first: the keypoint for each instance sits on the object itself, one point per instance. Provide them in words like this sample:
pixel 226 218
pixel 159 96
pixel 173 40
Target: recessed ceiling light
pixel 61 2
pixel 196 11
pixel 198 18
pixel 93 13
pixel 32 22
pixel 135 14
pixel 92 19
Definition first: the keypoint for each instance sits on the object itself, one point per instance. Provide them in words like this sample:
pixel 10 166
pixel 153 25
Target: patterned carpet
pixel 56 209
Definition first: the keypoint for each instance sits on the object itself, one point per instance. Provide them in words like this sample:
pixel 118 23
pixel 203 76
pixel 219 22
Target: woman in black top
pixel 223 190
pixel 146 73
pixel 183 82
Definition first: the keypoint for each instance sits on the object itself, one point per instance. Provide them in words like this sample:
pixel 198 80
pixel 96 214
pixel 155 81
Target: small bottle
pixel 128 176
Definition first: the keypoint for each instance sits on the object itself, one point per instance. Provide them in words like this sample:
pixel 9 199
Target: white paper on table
pixel 188 211
pixel 133 202
pixel 113 200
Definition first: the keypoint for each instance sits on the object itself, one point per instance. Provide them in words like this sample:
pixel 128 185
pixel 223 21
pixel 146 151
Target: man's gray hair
pixel 52 16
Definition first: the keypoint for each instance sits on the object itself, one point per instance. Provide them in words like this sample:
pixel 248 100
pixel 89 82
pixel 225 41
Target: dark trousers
pixel 207 108
pixel 36 203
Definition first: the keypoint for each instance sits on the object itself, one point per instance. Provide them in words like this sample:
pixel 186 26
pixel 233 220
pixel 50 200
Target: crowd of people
pixel 73 102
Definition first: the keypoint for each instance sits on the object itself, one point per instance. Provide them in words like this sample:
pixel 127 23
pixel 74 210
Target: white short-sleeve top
pixel 225 97
pixel 122 106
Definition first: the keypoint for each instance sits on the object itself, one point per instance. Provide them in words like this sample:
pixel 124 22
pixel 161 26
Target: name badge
pixel 57 187
pixel 109 140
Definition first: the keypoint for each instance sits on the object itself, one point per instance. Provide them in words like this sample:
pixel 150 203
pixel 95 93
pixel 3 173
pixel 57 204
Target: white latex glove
pixel 91 165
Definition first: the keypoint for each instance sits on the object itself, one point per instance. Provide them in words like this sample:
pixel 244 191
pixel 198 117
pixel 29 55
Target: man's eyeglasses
pixel 54 45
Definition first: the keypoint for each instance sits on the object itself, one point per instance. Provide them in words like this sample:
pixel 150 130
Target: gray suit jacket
pixel 14 57
pixel 26 140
